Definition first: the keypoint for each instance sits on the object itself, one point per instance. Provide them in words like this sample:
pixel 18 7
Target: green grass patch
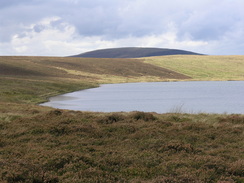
pixel 24 90
pixel 203 67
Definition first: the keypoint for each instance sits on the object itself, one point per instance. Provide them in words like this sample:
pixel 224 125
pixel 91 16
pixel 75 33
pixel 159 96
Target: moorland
pixel 41 144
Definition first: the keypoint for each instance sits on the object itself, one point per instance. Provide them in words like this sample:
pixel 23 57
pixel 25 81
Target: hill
pixel 42 144
pixel 133 52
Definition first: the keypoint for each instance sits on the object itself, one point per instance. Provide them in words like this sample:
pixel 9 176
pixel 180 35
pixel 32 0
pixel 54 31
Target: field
pixel 41 144
pixel 203 67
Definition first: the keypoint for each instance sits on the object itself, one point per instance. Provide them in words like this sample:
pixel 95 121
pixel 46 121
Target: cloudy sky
pixel 68 27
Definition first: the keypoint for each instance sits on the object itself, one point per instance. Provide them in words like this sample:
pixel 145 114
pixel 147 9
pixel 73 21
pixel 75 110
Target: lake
pixel 160 97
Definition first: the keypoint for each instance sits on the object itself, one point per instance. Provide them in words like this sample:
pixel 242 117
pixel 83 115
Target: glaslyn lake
pixel 160 97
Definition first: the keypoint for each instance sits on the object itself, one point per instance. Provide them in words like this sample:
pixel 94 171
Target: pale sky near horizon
pixel 69 27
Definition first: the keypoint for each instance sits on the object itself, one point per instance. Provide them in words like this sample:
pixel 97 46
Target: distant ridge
pixel 133 52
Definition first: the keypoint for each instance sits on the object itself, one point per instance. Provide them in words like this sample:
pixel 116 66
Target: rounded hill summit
pixel 133 52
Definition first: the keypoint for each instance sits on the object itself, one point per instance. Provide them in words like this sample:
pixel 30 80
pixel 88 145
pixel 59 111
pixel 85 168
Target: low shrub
pixel 55 112
pixel 178 147
pixel 109 119
pixel 237 168
pixel 142 116
pixel 233 118
pixel 59 130
pixel 63 146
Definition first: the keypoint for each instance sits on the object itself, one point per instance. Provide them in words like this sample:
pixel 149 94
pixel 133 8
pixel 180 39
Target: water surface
pixel 160 97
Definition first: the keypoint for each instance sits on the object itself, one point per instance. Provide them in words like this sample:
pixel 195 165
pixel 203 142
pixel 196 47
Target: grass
pixel 41 144
pixel 24 90
pixel 207 68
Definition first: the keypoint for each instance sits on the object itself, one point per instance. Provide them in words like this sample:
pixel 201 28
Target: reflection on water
pixel 161 97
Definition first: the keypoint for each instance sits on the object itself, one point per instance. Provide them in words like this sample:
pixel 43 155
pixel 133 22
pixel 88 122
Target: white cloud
pixel 48 40
pixel 58 38
pixel 54 38
pixel 67 27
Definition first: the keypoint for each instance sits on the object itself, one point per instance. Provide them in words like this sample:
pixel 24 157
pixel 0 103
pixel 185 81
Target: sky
pixel 70 27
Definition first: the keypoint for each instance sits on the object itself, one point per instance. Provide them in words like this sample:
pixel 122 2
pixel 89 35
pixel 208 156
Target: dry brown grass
pixel 80 68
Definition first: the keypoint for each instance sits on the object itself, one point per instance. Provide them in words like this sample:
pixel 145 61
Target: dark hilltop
pixel 133 52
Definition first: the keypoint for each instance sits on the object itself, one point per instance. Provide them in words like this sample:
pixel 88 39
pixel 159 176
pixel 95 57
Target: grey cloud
pixel 91 18
pixel 38 28
pixel 17 14
pixel 211 23
pixel 9 3
pixel 204 20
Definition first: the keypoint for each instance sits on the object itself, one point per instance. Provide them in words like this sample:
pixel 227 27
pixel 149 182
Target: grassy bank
pixel 33 91
pixel 41 144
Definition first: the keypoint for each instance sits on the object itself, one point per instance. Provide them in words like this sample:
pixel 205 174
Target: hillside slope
pixel 83 68
pixel 21 76
pixel 133 52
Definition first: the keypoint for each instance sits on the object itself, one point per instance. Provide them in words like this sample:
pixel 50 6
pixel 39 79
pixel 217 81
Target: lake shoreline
pixel 99 85
pixel 179 106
